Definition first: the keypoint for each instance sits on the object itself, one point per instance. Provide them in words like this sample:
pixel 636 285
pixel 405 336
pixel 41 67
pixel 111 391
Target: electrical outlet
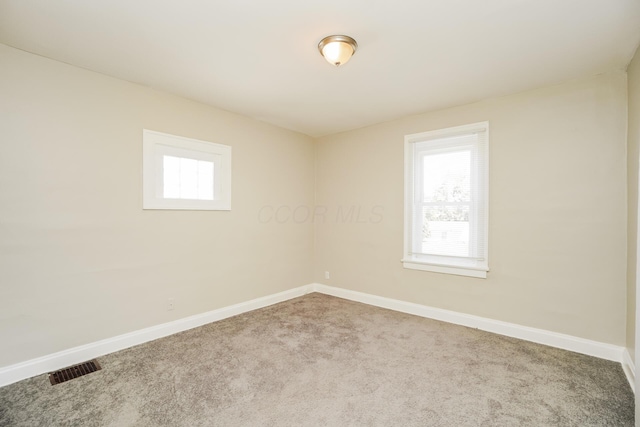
pixel 327 275
pixel 171 303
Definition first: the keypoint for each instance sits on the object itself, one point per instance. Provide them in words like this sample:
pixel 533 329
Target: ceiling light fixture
pixel 337 50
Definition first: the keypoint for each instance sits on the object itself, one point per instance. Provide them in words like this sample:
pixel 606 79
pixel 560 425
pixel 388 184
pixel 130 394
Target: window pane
pixel 445 230
pixel 188 178
pixel 171 176
pixel 447 177
pixel 205 180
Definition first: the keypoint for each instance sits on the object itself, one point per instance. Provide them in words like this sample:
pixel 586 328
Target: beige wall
pixel 557 211
pixel 79 258
pixel 633 154
pixel 81 261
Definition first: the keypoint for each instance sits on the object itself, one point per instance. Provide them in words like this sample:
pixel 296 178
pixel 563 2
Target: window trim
pixel 157 144
pixel 444 264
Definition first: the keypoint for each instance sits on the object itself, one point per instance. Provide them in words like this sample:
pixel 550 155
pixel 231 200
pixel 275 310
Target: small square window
pixel 184 173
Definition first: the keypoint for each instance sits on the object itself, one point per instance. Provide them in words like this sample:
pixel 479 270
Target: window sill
pixel 458 271
pixel 186 204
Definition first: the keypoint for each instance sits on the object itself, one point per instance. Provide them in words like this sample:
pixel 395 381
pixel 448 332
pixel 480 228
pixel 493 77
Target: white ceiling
pixel 260 58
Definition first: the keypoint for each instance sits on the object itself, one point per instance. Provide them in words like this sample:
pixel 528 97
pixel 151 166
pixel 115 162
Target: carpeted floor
pixel 323 361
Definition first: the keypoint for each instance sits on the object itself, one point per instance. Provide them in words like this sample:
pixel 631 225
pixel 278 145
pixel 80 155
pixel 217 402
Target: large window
pixel 184 173
pixel 446 200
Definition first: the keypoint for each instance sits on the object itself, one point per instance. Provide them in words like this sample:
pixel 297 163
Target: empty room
pixel 319 213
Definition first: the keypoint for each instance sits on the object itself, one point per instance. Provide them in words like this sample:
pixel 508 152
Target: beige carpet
pixel 323 361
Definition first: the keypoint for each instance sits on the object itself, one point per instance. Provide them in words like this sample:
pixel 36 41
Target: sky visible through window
pixel 447 177
pixel 186 178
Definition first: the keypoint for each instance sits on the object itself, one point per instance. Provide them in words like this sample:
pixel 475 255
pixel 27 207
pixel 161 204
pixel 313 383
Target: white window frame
pixel 156 145
pixel 433 142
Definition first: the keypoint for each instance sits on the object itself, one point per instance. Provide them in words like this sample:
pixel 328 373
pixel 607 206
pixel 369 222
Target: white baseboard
pixel 55 361
pixel 20 371
pixel 540 336
pixel 629 369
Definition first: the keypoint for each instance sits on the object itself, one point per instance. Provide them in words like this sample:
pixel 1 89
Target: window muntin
pixel 446 200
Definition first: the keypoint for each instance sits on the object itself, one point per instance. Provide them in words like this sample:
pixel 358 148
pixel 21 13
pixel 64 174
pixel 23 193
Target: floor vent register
pixel 74 371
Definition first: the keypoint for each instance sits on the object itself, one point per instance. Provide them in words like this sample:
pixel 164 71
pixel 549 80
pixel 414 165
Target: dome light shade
pixel 337 50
